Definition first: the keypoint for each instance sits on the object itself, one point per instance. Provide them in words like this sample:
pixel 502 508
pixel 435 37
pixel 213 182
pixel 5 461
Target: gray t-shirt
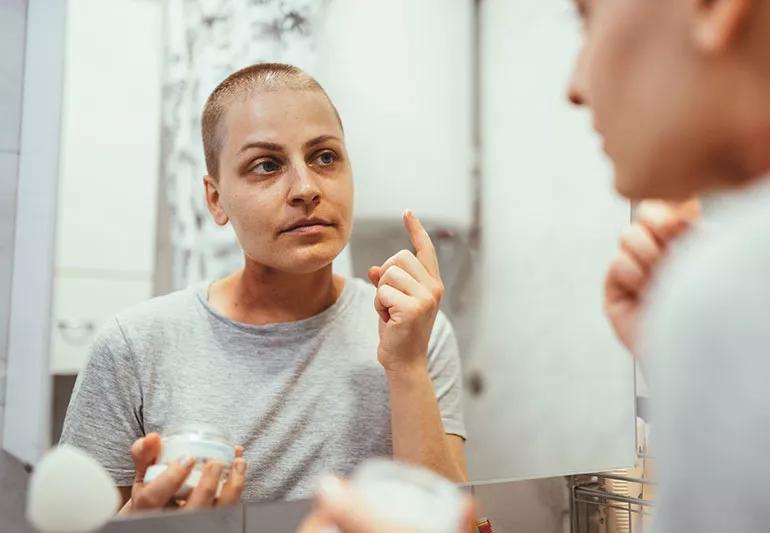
pixel 707 343
pixel 303 398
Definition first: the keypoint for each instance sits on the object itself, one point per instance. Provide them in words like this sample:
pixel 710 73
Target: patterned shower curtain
pixel 205 41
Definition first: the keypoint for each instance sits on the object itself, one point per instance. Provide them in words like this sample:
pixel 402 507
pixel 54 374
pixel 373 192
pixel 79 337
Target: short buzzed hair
pixel 239 85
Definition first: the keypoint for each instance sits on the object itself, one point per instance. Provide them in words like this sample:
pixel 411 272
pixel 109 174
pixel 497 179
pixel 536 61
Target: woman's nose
pixel 305 190
pixel 576 92
pixel 574 95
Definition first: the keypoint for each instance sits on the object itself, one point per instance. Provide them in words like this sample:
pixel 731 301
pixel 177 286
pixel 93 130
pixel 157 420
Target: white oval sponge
pixel 70 491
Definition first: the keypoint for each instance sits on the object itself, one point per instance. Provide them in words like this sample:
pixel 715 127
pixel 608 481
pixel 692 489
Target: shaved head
pixel 240 85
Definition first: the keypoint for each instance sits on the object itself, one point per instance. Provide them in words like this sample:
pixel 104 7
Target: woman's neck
pixel 260 295
pixel 747 155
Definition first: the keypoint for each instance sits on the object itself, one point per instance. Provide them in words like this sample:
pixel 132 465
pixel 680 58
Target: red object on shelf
pixel 484 526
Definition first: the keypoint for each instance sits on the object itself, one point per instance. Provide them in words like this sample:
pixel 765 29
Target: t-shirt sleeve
pixel 104 416
pixel 446 374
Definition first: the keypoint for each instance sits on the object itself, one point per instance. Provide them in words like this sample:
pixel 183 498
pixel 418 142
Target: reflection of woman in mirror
pixel 294 362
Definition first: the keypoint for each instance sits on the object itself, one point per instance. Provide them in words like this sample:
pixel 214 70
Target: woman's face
pixel 285 181
pixel 639 73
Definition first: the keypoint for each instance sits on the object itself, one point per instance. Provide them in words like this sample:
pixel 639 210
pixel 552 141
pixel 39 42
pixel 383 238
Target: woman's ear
pixel 213 200
pixel 719 23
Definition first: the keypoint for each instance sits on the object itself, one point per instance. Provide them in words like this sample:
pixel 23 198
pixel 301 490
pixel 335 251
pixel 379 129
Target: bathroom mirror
pixel 454 109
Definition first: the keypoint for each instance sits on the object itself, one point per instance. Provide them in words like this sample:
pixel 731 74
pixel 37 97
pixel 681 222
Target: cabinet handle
pixel 76 332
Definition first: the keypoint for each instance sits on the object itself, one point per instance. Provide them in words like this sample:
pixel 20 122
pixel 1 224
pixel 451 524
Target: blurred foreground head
pixel 679 90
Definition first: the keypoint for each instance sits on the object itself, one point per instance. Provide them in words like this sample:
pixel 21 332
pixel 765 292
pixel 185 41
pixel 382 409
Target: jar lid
pixel 198 440
pixel 199 430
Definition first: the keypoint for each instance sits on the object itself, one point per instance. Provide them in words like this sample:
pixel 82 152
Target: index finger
pixel 423 246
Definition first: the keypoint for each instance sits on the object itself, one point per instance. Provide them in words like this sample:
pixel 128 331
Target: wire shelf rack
pixel 597 508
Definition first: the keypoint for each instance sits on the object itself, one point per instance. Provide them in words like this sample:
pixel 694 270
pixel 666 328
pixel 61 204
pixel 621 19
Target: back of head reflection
pixel 307 371
pixel 680 92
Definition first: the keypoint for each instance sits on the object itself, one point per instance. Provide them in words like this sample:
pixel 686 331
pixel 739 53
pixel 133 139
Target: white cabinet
pixel 109 165
pixel 80 307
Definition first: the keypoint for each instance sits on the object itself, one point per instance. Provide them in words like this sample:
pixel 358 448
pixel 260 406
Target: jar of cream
pixel 201 442
pixel 410 496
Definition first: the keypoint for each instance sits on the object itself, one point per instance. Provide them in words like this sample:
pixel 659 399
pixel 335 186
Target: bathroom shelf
pixel 590 499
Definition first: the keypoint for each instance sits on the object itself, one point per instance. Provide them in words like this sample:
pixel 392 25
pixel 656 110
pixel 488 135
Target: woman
pixel 308 371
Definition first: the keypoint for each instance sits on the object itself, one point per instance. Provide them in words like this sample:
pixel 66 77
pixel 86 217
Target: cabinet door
pixel 81 307
pixel 110 136
pixel 557 389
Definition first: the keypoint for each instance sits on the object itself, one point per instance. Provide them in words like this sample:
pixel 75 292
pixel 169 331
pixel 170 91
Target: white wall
pixel 400 75
pixel 558 394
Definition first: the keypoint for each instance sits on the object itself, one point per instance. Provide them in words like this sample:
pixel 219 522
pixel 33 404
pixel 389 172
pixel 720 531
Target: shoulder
pixel 165 308
pixel 170 311
pixel 146 323
pixel 717 282
pixel 724 255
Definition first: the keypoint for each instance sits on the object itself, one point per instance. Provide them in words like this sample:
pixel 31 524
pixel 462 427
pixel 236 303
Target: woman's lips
pixel 309 229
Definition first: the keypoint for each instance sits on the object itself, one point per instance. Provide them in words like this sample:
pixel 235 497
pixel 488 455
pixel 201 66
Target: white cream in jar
pixel 201 442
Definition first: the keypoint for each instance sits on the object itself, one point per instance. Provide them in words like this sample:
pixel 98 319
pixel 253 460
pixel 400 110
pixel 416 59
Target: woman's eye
pixel 326 158
pixel 268 166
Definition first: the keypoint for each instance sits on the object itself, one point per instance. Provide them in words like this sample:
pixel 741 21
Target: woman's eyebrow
pixel 260 144
pixel 320 139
